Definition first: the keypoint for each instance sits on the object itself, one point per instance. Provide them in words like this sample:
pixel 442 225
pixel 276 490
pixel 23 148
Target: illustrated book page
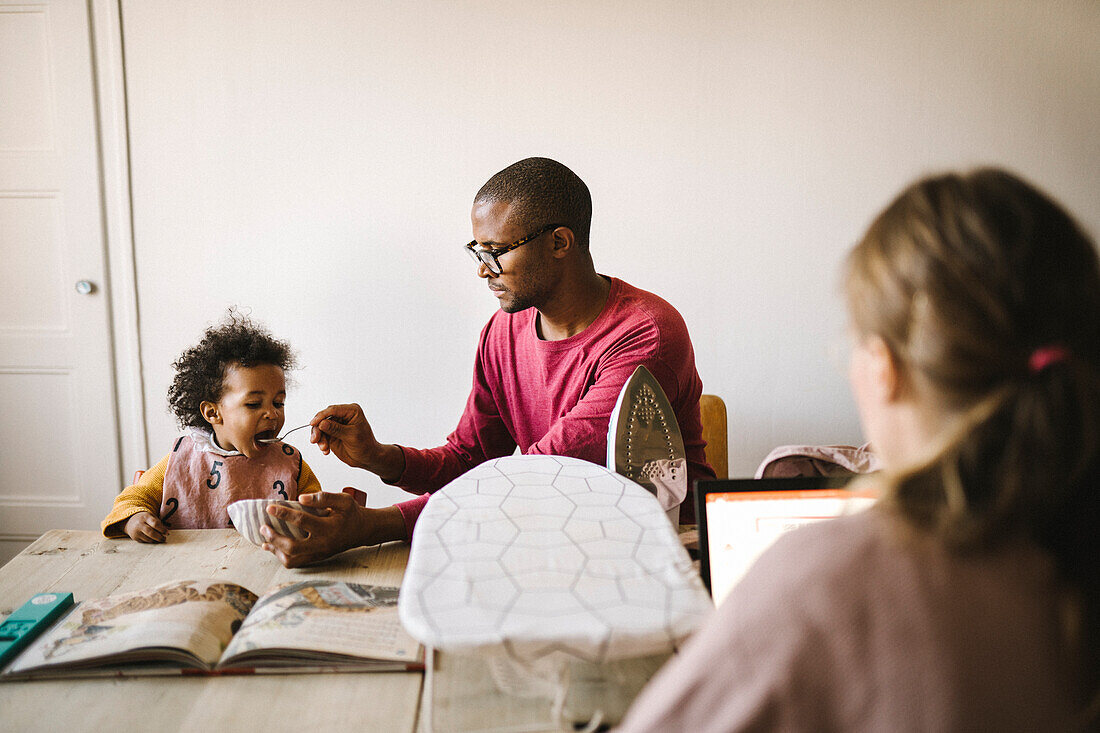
pixel 324 621
pixel 215 627
pixel 184 624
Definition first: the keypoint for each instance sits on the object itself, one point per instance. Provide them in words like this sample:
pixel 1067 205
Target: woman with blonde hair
pixel 969 597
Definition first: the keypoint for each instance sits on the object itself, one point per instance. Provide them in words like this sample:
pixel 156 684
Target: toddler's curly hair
pixel 200 370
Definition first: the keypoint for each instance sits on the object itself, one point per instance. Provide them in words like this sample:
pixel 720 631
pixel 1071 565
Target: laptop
pixel 740 518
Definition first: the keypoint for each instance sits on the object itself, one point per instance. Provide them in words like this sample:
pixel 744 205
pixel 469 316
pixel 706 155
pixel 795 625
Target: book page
pixel 195 618
pixel 324 620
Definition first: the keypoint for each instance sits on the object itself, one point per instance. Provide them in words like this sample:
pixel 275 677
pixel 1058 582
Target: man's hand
pixel 146 527
pixel 344 430
pixel 343 526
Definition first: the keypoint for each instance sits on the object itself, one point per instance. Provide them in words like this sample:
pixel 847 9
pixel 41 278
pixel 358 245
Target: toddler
pixel 228 393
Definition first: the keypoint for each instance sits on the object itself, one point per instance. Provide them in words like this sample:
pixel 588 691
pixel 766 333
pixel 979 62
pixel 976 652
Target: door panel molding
pixel 110 82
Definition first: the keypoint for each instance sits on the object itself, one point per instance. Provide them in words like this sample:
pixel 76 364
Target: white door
pixel 59 455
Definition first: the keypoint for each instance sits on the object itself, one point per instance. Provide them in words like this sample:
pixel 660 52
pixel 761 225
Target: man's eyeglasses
pixel 488 257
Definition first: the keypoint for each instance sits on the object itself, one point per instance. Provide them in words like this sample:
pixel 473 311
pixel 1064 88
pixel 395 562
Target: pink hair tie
pixel 1044 356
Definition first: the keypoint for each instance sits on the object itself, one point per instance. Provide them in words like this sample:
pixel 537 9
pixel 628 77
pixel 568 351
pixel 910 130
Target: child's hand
pixel 146 527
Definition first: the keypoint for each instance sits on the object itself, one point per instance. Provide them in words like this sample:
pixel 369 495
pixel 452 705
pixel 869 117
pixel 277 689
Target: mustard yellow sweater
pixel 145 496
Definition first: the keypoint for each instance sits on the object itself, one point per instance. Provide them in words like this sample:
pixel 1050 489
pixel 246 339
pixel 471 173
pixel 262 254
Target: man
pixel 549 368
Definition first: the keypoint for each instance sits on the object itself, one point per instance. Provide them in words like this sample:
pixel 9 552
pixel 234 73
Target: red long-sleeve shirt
pixel 556 397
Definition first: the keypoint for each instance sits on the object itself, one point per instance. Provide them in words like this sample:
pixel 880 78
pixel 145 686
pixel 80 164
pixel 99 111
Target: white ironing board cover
pixel 535 557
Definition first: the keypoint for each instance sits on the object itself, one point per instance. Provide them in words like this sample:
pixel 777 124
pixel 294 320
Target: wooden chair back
pixel 713 412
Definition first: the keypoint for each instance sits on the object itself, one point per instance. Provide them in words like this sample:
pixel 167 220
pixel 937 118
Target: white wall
pixel 316 163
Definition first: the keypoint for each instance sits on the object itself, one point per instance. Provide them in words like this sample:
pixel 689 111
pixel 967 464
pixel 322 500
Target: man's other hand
pixel 342 526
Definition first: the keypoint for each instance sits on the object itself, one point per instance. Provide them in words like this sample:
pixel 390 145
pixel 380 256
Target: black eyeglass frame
pixel 488 257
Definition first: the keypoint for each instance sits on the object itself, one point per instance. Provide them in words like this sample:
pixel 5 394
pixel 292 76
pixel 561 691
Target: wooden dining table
pixel 458 694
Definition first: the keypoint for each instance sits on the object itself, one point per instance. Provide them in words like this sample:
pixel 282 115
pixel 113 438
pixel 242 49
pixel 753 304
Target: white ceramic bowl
pixel 249 515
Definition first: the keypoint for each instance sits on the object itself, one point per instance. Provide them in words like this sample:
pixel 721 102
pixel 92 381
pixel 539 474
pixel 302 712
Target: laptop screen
pixel 740 518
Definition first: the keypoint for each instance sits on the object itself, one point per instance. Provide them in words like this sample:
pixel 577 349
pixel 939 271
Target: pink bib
pixel 199 485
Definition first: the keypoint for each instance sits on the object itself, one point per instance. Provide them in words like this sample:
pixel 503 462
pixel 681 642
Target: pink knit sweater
pixel 860 624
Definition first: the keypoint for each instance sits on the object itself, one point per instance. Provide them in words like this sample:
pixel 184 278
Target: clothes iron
pixel 644 442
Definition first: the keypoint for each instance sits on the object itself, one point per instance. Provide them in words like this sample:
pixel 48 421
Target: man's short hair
pixel 542 192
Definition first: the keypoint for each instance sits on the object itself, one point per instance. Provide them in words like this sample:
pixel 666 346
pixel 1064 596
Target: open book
pixel 215 627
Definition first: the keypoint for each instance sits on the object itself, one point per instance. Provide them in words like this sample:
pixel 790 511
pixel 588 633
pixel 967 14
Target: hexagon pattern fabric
pixel 548 557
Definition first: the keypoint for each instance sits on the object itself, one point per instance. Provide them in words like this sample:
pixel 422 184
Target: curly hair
pixel 200 370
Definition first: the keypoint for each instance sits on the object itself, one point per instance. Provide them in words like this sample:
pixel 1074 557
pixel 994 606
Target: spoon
pixel 275 440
